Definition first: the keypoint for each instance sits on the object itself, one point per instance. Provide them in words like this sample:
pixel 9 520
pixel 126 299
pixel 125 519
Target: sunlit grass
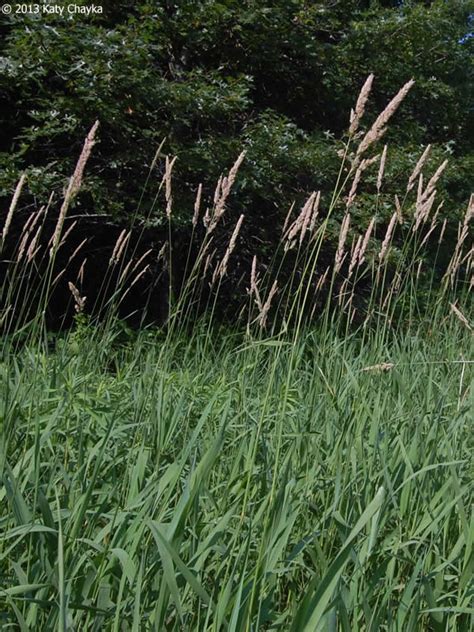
pixel 259 485
pixel 307 470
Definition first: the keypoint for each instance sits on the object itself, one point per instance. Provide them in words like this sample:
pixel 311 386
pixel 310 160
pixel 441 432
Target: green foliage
pixel 277 78
pixel 220 482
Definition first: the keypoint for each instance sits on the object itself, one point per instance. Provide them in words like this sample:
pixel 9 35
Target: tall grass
pixel 262 485
pixel 273 477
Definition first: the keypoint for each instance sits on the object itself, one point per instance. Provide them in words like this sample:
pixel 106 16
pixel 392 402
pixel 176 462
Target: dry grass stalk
pixel 388 238
pixel 28 223
pixel 254 284
pixel 428 234
pixel 124 272
pixel 80 274
pixel 379 126
pixel 67 233
pixel 339 258
pixel 287 218
pixel 365 241
pixel 206 220
pixel 358 113
pixel 119 247
pixel 315 213
pixel 425 199
pixel 430 187
pixel 79 301
pixel 443 229
pixel 419 192
pixel 355 256
pixel 76 251
pixel 436 213
pixel 262 317
pixel 342 291
pixel 301 223
pixel 83 158
pixel 135 280
pixel 468 259
pixel 13 204
pixel 308 215
pixel 398 208
pixel 422 211
pixel 135 266
pixel 26 232
pixel 32 221
pixel 57 277
pixel 381 168
pixel 418 167
pixel 393 289
pixel 169 164
pixel 22 247
pixel 218 190
pixel 36 217
pixel 383 366
pixel 222 192
pixel 73 186
pixel 157 155
pixel 197 205
pixel 460 316
pixel 222 268
pixel 139 275
pixel 455 262
pixel 353 315
pixel 208 261
pixel 32 249
pixel 162 251
pixel 141 259
pixel 322 280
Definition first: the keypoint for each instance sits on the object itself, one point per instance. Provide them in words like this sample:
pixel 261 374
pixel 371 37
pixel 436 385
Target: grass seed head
pixel 388 238
pixel 342 240
pixel 13 205
pixel 358 113
pixel 418 167
pixel 73 187
pixel 379 126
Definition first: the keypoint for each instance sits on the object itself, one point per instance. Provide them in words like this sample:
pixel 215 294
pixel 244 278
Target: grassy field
pixel 308 468
pixel 217 482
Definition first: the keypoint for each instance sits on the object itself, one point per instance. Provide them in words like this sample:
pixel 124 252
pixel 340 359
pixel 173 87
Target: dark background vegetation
pixel 211 77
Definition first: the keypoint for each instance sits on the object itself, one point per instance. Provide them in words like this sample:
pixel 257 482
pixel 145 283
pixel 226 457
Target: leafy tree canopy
pixel 277 78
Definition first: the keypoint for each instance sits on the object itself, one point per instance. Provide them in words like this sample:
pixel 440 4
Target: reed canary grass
pixel 342 240
pixel 460 316
pixel 73 187
pixel 359 110
pixel 79 301
pixel 418 168
pixel 263 315
pixel 197 206
pixel 379 126
pixel 77 250
pixel 388 238
pixel 13 205
pixel 380 174
pixel 221 270
pixel 119 246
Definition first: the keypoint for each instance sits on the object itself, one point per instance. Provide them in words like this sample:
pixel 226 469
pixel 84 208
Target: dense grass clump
pixel 223 482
